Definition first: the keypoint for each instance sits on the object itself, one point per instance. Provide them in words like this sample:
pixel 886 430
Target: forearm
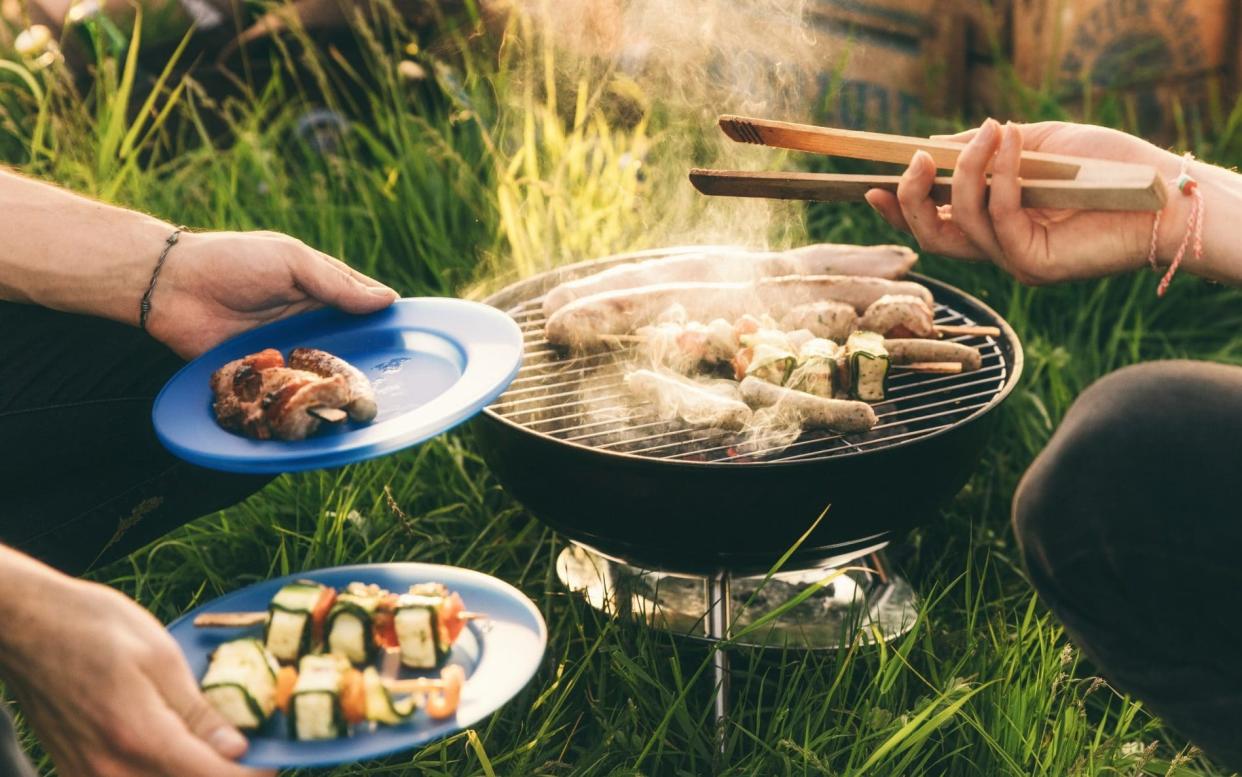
pixel 1222 251
pixel 71 253
pixel 24 584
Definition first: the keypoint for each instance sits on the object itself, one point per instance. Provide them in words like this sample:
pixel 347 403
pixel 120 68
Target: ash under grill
pixel 583 400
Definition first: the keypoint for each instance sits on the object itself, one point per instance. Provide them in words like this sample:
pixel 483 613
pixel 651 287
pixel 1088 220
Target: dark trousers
pixel 1130 524
pixel 84 480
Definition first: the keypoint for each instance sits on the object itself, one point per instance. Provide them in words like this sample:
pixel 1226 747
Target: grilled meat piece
pixel 826 318
pixel 361 405
pixel 288 394
pixel 259 397
pixel 899 315
pixel 226 379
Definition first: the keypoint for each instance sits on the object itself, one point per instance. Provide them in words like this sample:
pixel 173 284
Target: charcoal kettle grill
pixel 678 526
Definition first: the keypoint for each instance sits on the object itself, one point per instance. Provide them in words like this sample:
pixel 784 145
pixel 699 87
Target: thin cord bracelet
pixel 1189 187
pixel 144 308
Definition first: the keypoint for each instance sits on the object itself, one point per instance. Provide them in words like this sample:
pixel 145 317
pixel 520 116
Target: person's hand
pixel 106 689
pixel 217 284
pixel 1035 246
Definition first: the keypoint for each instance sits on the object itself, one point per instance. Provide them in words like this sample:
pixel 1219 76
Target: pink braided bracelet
pixel 1189 187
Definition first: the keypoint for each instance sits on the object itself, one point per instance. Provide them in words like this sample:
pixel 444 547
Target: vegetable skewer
pixel 226 620
pixel 306 617
pixel 324 697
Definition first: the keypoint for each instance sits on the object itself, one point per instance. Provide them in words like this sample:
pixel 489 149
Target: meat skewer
pixel 581 323
pixel 890 261
pixel 829 306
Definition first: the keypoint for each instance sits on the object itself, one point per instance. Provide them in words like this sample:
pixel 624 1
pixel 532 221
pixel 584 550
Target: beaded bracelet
pixel 144 308
pixel 1189 187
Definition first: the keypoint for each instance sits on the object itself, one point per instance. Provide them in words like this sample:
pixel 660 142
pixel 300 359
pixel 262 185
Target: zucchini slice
pixel 314 707
pixel 868 364
pixel 288 632
pixel 237 705
pixel 771 364
pixel 350 625
pixel 381 707
pixel 418 631
pixel 817 367
pixel 241 683
pixel 349 630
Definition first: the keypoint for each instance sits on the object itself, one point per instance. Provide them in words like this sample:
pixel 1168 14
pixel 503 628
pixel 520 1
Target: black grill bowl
pixel 738 515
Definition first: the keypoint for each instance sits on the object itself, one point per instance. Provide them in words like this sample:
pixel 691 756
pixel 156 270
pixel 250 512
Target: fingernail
pixel 989 129
pixel 227 742
pixel 381 291
pixel 1010 137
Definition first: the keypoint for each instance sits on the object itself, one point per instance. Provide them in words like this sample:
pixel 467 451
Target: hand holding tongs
pixel 1048 180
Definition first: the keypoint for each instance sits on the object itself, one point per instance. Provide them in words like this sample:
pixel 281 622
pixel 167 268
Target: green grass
pixel 504 162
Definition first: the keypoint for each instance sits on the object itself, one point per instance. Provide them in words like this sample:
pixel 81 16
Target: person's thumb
pixel 181 693
pixel 211 727
pixel 332 285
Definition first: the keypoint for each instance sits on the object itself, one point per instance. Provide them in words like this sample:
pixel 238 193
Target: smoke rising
pixel 677 65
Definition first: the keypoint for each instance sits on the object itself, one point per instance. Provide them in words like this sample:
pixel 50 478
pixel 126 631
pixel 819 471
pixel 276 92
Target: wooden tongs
pixel 1048 180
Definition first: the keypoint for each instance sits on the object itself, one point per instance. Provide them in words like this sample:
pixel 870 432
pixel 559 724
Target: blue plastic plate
pixel 434 362
pixel 499 655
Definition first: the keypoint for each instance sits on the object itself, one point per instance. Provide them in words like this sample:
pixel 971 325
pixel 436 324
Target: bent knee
pixel 1140 437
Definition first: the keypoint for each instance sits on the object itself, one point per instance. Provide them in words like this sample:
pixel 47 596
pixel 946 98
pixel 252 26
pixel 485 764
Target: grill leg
pixel 719 618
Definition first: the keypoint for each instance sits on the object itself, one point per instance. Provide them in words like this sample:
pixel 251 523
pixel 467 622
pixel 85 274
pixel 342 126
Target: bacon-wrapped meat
pixel 259 397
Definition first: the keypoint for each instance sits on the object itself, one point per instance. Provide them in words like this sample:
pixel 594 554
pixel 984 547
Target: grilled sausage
pixel 737 266
pixel 838 415
pixel 694 403
pixel 580 323
pixel 907 351
pixel 782 294
pixel 362 406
